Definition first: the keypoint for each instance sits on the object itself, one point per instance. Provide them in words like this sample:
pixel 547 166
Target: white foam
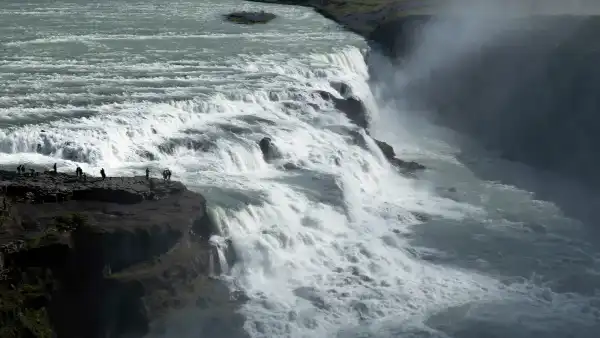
pixel 321 250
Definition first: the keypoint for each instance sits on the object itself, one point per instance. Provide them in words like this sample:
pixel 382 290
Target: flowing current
pixel 355 250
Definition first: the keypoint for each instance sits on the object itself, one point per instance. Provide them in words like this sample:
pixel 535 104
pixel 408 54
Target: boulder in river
pixel 268 149
pixel 249 18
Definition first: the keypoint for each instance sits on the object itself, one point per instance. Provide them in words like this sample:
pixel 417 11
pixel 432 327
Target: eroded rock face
pixel 101 258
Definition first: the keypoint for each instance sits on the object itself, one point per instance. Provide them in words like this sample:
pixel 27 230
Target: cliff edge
pixel 389 24
pixel 101 258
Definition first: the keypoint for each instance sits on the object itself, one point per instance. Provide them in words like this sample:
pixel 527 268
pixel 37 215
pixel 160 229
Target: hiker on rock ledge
pixel 167 175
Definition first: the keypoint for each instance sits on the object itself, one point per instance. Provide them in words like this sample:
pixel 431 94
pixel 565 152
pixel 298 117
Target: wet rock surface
pixel 390 155
pixel 249 18
pixel 268 149
pixel 101 258
pixel 351 106
pixel 356 111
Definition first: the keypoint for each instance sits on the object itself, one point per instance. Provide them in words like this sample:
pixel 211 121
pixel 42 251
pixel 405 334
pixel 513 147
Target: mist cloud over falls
pixel 527 88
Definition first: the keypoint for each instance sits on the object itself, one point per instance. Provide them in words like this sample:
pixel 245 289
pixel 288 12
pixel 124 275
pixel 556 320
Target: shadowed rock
pixel 268 149
pixel 352 107
pixel 102 258
pixel 249 18
pixel 342 88
pixel 390 155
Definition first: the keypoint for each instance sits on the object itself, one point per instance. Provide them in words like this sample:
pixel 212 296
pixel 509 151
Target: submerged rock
pixel 352 107
pixel 249 18
pixel 390 155
pixel 386 149
pixel 342 88
pixel 101 258
pixel 291 166
pixel 268 149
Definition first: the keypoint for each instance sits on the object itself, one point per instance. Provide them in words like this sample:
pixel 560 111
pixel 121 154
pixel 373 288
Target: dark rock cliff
pixel 100 258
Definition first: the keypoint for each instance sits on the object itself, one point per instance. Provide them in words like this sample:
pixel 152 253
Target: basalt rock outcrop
pixel 268 149
pixel 101 258
pixel 249 18
pixel 351 106
pixel 356 112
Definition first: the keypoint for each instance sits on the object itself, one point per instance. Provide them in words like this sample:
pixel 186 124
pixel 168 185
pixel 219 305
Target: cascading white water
pixel 318 251
pixel 354 250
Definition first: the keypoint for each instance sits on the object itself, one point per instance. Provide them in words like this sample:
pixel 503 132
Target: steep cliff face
pixel 100 258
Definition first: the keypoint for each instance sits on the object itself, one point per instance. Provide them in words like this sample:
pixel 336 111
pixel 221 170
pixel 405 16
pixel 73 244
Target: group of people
pixel 80 174
pixel 21 170
pixel 166 174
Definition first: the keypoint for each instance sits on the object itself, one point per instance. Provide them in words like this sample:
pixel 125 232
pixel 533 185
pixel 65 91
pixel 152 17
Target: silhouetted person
pixel 103 174
pixel 39 148
pixel 54 167
pixel 78 172
pixel 19 169
pixel 23 168
pixel 167 174
pixel 147 173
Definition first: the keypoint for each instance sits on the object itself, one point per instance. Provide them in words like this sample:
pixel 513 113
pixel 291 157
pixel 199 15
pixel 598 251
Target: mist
pixel 515 91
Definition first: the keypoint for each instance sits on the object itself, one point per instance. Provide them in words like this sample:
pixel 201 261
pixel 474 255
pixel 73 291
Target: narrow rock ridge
pixel 101 258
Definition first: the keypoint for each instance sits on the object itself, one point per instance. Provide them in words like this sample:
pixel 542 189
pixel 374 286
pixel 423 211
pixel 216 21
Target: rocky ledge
pixel 101 258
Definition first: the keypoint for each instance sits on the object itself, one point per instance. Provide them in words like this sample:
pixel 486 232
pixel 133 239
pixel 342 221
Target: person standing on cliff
pixel 78 172
pixel 54 167
pixel 19 169
pixel 147 173
pixel 103 174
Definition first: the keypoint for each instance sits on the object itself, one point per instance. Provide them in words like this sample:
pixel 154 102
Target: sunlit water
pixel 327 250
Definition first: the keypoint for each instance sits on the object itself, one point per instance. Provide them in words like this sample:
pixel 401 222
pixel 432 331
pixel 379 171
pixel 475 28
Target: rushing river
pixel 355 250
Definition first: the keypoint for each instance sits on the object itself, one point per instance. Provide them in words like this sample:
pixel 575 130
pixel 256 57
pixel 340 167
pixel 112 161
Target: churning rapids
pixel 355 250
